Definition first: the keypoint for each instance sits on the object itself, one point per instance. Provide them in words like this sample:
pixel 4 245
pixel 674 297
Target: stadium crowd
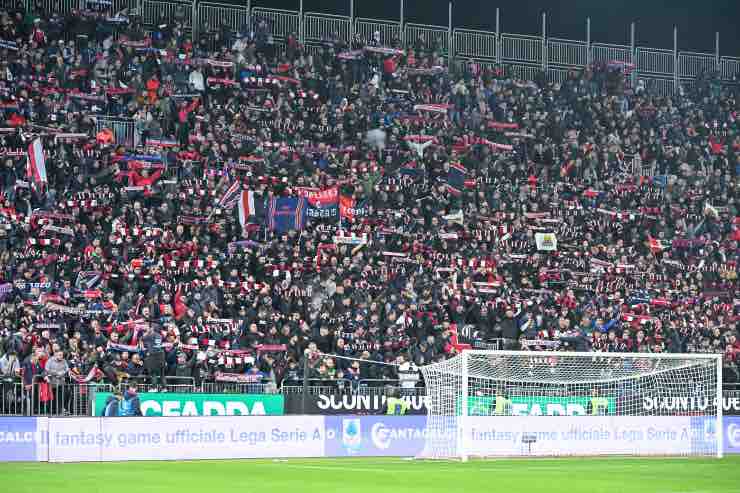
pixel 359 199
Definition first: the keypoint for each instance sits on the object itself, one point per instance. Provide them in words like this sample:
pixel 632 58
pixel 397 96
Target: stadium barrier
pixel 46 439
pixel 244 398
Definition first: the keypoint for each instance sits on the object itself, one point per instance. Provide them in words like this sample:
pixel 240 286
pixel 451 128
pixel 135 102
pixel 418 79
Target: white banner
pixel 185 438
pixel 588 435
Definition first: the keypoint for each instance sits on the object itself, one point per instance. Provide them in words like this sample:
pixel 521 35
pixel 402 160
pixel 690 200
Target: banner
pixel 342 404
pixel 173 404
pixel 732 435
pixel 376 436
pixel 23 439
pixel 140 438
pixel 589 435
pixel 535 406
pixel 679 405
pixel 546 242
pixel 150 438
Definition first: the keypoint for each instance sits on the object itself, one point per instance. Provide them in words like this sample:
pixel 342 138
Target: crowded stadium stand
pixel 197 197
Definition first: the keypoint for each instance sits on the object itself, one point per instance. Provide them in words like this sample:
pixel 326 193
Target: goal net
pixel 511 403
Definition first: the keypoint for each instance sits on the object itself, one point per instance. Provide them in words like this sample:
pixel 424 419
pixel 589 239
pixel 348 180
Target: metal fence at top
pixel 119 5
pixel 730 68
pixel 475 44
pixel 601 52
pixel 655 61
pixel 318 27
pixel 154 10
pixel 217 14
pixel 693 64
pixel 567 52
pixel 523 71
pixel 388 30
pixel 520 48
pixel 280 23
pixel 429 35
pixel 659 86
pixel 57 6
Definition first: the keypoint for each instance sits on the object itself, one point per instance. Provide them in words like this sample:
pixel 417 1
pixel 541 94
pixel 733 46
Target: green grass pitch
pixel 376 475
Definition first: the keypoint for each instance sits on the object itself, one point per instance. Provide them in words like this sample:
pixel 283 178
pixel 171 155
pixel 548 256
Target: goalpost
pixel 522 403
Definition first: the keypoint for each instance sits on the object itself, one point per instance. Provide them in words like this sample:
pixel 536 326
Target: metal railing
pixel 567 52
pixel 124 129
pixel 662 69
pixel 280 23
pixel 236 17
pixel 475 44
pixel 46 399
pixel 321 27
pixel 431 35
pixel 388 30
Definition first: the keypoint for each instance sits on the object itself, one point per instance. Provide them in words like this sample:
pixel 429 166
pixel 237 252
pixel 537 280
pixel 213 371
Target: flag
pixel 250 206
pixel 656 246
pixel 286 213
pixel 350 209
pixel 320 198
pixel 36 168
pixel 456 178
pixel 230 197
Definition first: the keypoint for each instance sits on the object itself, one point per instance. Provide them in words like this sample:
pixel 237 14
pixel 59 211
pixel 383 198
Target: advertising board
pixel 23 439
pixel 184 438
pixel 174 404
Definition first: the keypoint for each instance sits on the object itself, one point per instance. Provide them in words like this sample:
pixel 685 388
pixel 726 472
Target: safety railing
pixel 521 51
pixel 694 64
pixel 237 388
pixel 659 86
pixel 185 385
pixel 523 71
pixel 388 30
pixel 59 6
pixel 567 52
pixel 280 23
pixel 730 68
pixel 655 61
pixel 520 48
pixel 429 35
pixel 605 53
pixel 124 130
pixel 360 389
pixel 320 27
pixel 43 398
pixel 153 11
pixel 316 386
pixel 557 75
pixel 120 5
pixel 475 44
pixel 217 14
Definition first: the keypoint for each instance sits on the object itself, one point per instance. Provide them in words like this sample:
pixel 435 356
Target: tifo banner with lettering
pixel 23 439
pixel 167 404
pixel 340 403
pixel 185 438
pixel 375 436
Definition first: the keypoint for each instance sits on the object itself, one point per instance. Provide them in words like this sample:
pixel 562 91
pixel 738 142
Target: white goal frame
pixel 465 374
